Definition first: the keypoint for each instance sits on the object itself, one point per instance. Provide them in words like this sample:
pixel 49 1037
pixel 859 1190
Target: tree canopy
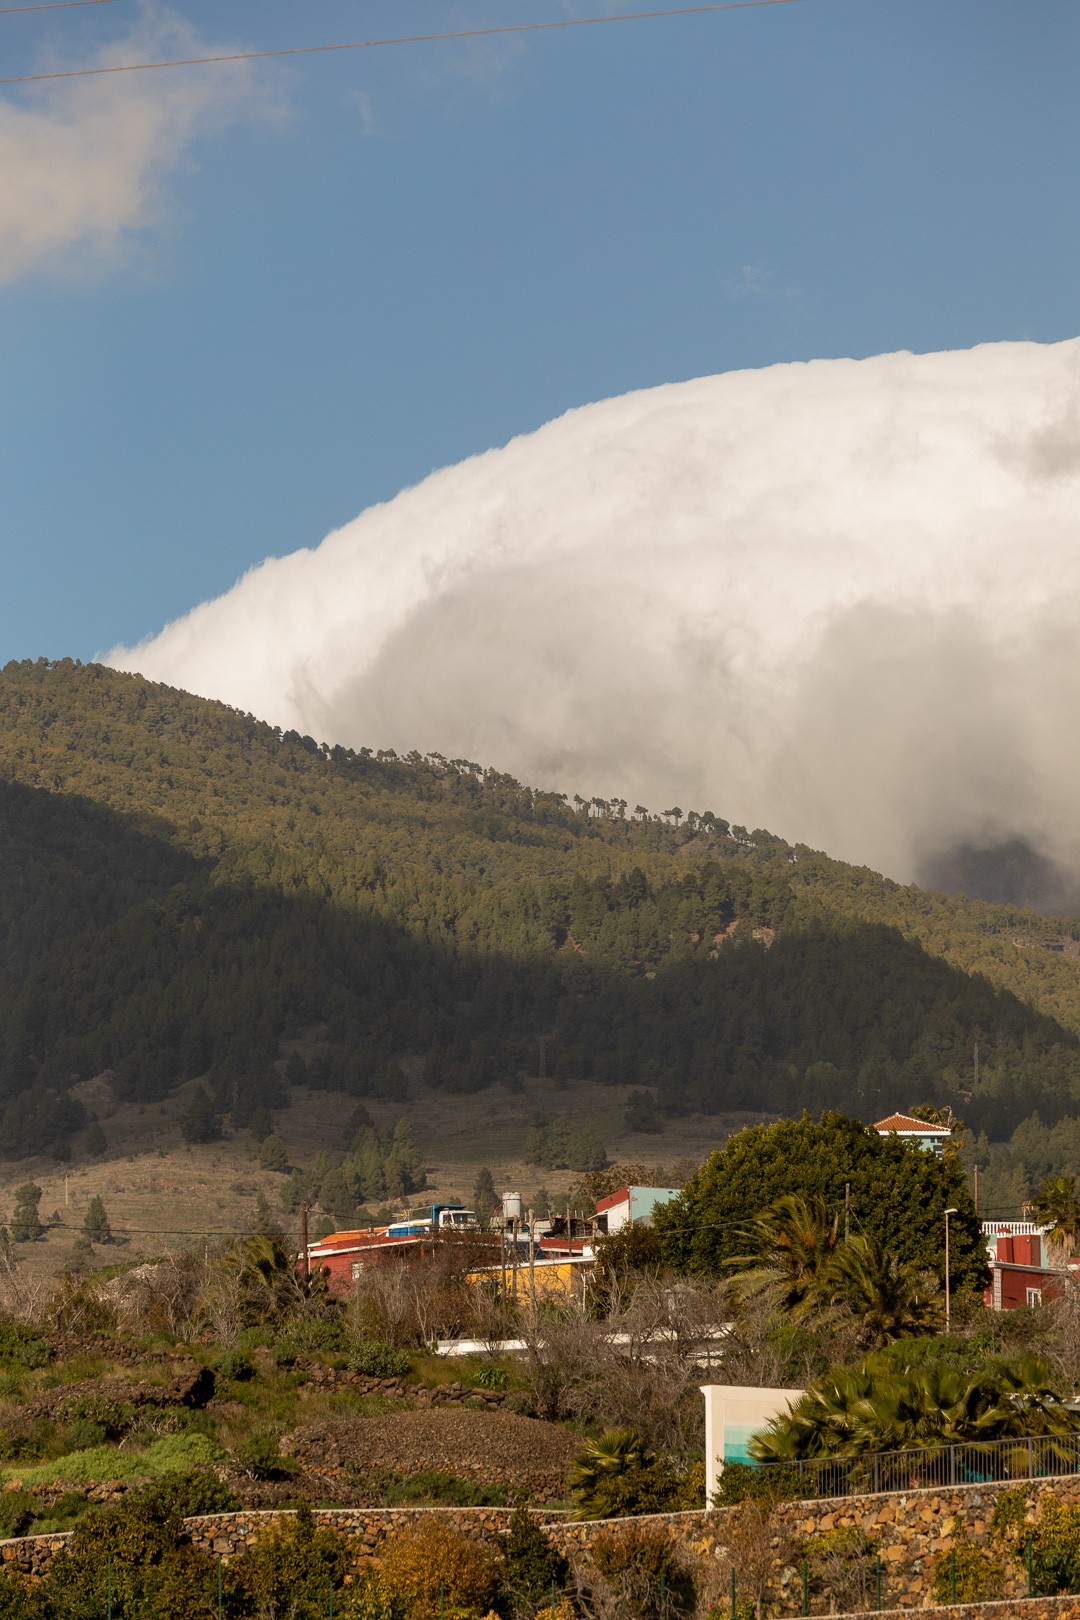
pixel 898 1196
pixel 184 891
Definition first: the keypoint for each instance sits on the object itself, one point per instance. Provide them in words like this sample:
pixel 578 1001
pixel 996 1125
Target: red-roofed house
pixel 929 1137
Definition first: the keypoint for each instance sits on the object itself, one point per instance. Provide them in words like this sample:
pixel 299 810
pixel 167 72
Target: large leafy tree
pixel 898 1196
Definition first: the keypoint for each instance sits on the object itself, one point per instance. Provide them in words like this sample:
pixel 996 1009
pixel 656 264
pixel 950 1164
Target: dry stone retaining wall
pixel 911 1531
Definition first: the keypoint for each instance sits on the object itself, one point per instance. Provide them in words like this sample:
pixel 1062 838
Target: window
pixel 1034 1296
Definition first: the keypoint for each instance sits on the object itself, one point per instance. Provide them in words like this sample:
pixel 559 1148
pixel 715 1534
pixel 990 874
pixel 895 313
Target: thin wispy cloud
pixel 84 162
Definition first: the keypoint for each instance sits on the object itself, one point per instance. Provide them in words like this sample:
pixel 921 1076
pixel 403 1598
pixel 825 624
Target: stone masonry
pixel 911 1531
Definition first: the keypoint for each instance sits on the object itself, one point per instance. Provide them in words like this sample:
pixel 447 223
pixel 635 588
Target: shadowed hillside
pixel 183 889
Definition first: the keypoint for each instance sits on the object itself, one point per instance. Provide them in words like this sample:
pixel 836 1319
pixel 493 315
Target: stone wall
pixel 1055 1608
pixel 911 1530
pixel 367 1528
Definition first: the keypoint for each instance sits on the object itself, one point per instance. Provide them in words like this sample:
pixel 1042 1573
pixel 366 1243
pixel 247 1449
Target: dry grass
pixel 162 1193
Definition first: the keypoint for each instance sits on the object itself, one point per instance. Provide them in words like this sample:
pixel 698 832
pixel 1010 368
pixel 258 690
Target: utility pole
pixel 304 1240
pixel 532 1270
pixel 976 1189
pixel 847 1210
pixel 948 1318
pixel 514 1254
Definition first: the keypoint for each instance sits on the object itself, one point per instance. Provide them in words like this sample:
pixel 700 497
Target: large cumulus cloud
pixel 839 600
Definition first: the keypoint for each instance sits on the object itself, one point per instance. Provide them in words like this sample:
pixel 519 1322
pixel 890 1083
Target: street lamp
pixel 948 1212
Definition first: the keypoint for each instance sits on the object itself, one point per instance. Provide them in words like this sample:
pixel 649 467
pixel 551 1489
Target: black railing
pixel 977 1462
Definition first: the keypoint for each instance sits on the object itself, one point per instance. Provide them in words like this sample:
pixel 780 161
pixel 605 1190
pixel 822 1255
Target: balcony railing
pixel 978 1462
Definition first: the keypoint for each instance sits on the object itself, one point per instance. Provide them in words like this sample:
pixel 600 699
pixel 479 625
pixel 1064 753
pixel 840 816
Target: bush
pixel 182 1496
pixel 17 1509
pixel 1055 1549
pixel 290 1570
pixel 615 1478
pixel 236 1365
pixel 18 1601
pixel 375 1359
pixel 433 1572
pixel 154 1571
pixel 741 1482
pixel 111 1419
pixel 641 1565
pixel 21 1347
pixel 436 1488
pixel 969 1574
pixel 259 1456
pixel 532 1568
pixel 491 1377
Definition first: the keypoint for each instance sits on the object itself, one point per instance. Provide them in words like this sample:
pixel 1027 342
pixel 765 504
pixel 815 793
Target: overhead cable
pixel 401 39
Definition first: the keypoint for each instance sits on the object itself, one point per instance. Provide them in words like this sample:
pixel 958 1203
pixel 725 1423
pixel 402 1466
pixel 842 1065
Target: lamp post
pixel 948 1319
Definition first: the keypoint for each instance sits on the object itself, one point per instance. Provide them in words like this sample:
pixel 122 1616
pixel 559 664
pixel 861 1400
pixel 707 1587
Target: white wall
pixel 733 1412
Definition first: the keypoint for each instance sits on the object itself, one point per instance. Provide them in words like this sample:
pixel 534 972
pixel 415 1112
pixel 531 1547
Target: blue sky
pixel 388 260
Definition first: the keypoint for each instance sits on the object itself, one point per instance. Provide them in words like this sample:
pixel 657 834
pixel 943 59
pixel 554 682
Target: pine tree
pixel 201 1121
pixel 95 1141
pixel 272 1155
pixel 96 1226
pixel 485 1199
pixel 26 1224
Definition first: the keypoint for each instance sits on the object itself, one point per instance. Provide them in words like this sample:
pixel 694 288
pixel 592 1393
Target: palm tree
pixel 889 1404
pixel 790 1249
pixel 616 1452
pixel 890 1298
pixel 1056 1204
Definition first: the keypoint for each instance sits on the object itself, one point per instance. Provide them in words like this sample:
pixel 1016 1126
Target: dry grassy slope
pixel 159 1192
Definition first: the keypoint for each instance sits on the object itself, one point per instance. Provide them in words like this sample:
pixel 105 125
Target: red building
pixel 1021 1268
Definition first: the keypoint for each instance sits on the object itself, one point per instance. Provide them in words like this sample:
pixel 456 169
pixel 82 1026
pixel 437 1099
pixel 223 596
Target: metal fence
pixel 978 1462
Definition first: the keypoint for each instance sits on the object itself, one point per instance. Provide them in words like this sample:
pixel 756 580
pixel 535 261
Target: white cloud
pixel 82 160
pixel 840 600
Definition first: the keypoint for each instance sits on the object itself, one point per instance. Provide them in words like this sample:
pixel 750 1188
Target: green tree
pixel 95 1141
pixel 272 1155
pixel 485 1199
pixel 201 1119
pixel 96 1225
pixel 790 1249
pixel 889 1298
pixel 26 1224
pixel 898 1196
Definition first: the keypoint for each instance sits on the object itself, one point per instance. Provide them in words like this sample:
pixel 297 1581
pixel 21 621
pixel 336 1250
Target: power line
pixel 55 5
pixel 402 39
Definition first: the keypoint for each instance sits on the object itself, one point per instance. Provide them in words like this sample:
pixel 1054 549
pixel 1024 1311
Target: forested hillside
pixel 182 888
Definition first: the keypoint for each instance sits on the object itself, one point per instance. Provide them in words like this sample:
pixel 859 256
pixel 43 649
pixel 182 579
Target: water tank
pixel 513 1207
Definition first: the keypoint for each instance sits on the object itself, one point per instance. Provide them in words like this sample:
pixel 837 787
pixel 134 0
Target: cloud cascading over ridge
pixel 840 600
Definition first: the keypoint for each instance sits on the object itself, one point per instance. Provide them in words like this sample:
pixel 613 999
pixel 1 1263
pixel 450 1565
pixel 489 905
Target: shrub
pixel 153 1570
pixel 17 1509
pixel 259 1455
pixel 969 1574
pixel 375 1359
pixel 435 1573
pixel 21 1347
pixel 290 1570
pixel 236 1365
pixel 642 1567
pixel 185 1495
pixel 1055 1549
pixel 18 1601
pixel 111 1419
pixel 532 1568
pixel 437 1488
pixel 741 1482
pixel 615 1477
pixel 491 1377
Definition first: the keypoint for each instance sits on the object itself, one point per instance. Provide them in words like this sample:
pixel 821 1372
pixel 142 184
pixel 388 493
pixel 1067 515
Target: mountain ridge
pixel 185 887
